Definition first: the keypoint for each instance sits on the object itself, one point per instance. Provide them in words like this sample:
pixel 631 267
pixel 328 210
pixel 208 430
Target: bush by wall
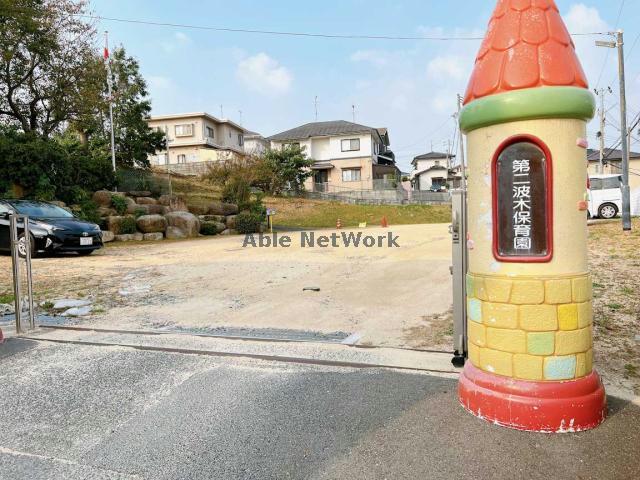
pixel 248 222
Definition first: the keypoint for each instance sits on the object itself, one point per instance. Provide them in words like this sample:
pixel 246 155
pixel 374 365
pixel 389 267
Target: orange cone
pixel 338 224
pixel 384 222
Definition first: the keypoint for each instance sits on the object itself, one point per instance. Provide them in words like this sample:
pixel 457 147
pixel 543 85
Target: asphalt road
pixel 86 412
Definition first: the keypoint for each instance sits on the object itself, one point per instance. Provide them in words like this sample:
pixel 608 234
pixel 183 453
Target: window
pixel 351 175
pixel 240 139
pixel 184 130
pixel 289 145
pixel 350 144
pixel 437 163
pixel 182 158
pixel 209 132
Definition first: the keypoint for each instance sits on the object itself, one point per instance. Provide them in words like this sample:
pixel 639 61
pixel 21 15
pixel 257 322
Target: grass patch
pixel 7 298
pixel 304 213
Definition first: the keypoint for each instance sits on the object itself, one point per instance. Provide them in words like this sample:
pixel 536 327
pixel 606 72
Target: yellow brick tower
pixel 529 292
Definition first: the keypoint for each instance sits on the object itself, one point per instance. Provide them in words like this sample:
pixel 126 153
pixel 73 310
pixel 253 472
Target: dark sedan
pixel 53 229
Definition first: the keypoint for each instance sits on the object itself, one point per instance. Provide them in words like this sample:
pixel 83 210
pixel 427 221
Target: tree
pixel 134 140
pixel 45 63
pixel 290 167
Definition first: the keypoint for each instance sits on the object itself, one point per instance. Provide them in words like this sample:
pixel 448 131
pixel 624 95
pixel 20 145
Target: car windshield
pixel 40 210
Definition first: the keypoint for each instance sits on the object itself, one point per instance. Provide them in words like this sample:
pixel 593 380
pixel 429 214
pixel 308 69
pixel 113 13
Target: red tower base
pixel 547 407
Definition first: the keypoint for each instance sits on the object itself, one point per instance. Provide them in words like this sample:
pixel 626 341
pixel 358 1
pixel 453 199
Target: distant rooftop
pixel 432 156
pixel 176 116
pixel 328 129
pixel 609 154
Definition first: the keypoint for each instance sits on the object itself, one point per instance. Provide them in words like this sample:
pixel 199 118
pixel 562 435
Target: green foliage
pixel 257 206
pixel 119 204
pixel 236 190
pixel 89 212
pixel 139 212
pixel 289 167
pixel 208 228
pixel 127 225
pixel 247 222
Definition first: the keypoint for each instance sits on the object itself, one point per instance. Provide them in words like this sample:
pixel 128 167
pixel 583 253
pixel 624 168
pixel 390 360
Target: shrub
pixel 248 222
pixel 139 212
pixel 89 212
pixel 119 204
pixel 208 228
pixel 127 225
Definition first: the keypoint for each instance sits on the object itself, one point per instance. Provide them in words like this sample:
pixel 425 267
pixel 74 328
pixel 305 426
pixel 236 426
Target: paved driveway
pixel 87 412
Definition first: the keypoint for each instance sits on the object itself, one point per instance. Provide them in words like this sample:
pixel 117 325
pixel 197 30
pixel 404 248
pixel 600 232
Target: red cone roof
pixel 527 45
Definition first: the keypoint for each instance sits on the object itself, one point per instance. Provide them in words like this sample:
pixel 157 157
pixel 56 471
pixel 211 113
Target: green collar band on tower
pixel 528 104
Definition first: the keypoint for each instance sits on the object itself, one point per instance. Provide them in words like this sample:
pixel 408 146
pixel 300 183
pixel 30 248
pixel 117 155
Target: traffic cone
pixel 384 222
pixel 338 224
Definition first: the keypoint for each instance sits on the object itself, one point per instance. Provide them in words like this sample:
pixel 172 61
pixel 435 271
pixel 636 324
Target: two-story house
pixel 433 170
pixel 347 156
pixel 197 138
pixel 613 166
pixel 255 144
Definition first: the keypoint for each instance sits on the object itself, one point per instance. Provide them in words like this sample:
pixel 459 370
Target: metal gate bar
pixel 15 262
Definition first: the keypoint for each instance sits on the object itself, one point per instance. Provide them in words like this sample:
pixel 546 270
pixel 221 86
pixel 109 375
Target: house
pixel 434 169
pixel 347 156
pixel 255 144
pixel 197 138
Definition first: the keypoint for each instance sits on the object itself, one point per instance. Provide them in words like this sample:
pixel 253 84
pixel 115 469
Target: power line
pixel 606 58
pixel 291 33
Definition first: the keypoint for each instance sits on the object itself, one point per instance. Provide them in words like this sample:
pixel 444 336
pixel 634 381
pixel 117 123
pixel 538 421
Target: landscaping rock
pixel 106 211
pixel 134 207
pixel 139 193
pixel 221 227
pixel 102 198
pixel 107 236
pixel 6 309
pixel 146 201
pixel 153 237
pixel 128 237
pixel 58 203
pixel 174 233
pixel 156 209
pixel 78 311
pixel 210 228
pixel 173 202
pixel 185 221
pixel 231 221
pixel 66 303
pixel 138 236
pixel 198 209
pixel 151 223
pixel 212 218
pixel 229 231
pixel 219 208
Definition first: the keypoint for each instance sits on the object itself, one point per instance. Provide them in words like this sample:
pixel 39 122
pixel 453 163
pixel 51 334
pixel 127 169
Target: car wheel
pixel 607 210
pixel 84 253
pixel 22 246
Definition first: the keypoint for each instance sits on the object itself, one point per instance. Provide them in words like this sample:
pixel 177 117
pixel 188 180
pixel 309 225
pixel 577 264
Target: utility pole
pixel 602 112
pixel 626 200
pixel 315 104
pixel 107 62
pixel 463 168
pixel 240 112
pixel 353 113
pixel 221 112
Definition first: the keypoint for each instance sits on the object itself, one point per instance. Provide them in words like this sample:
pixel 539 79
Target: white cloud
pixel 175 42
pixel 374 57
pixel 261 73
pixel 448 67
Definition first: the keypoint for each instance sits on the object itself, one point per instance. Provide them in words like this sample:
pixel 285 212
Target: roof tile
pixel 527 45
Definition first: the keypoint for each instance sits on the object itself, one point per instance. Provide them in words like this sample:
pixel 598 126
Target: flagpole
pixel 107 60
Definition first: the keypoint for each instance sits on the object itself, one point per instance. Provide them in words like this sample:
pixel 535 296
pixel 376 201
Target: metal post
pixel 463 184
pixel 107 60
pixel 602 127
pixel 27 245
pixel 15 262
pixel 458 231
pixel 626 200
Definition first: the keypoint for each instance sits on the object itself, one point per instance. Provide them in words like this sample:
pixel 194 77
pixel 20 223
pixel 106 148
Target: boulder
pixel 185 221
pixel 229 231
pixel 102 198
pixel 198 209
pixel 139 193
pixel 220 208
pixel 114 222
pixel 138 236
pixel 106 211
pixel 221 227
pixel 58 203
pixel 173 202
pixel 153 237
pixel 211 228
pixel 146 201
pixel 231 221
pixel 127 237
pixel 107 236
pixel 174 233
pixel 156 209
pixel 134 208
pixel 151 223
pixel 212 218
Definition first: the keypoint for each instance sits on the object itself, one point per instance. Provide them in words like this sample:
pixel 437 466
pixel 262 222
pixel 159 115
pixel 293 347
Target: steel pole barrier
pixel 15 262
pixel 27 257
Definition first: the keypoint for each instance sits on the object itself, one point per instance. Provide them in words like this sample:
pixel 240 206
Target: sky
pixel 269 83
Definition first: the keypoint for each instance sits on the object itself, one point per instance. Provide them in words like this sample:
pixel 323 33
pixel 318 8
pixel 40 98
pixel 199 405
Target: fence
pixel 21 246
pixel 140 179
pixel 391 195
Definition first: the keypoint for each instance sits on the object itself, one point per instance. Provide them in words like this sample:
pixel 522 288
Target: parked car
pixel 605 196
pixel 52 229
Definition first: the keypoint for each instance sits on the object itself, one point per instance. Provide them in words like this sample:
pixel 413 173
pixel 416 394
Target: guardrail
pixel 21 245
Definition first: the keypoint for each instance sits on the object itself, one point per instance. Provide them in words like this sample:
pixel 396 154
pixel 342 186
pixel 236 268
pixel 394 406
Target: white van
pixel 605 196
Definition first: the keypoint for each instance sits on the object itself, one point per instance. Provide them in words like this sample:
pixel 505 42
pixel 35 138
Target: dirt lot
pixel 383 294
pixel 394 297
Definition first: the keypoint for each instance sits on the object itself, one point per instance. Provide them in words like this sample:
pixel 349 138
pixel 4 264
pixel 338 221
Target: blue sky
pixel 406 86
